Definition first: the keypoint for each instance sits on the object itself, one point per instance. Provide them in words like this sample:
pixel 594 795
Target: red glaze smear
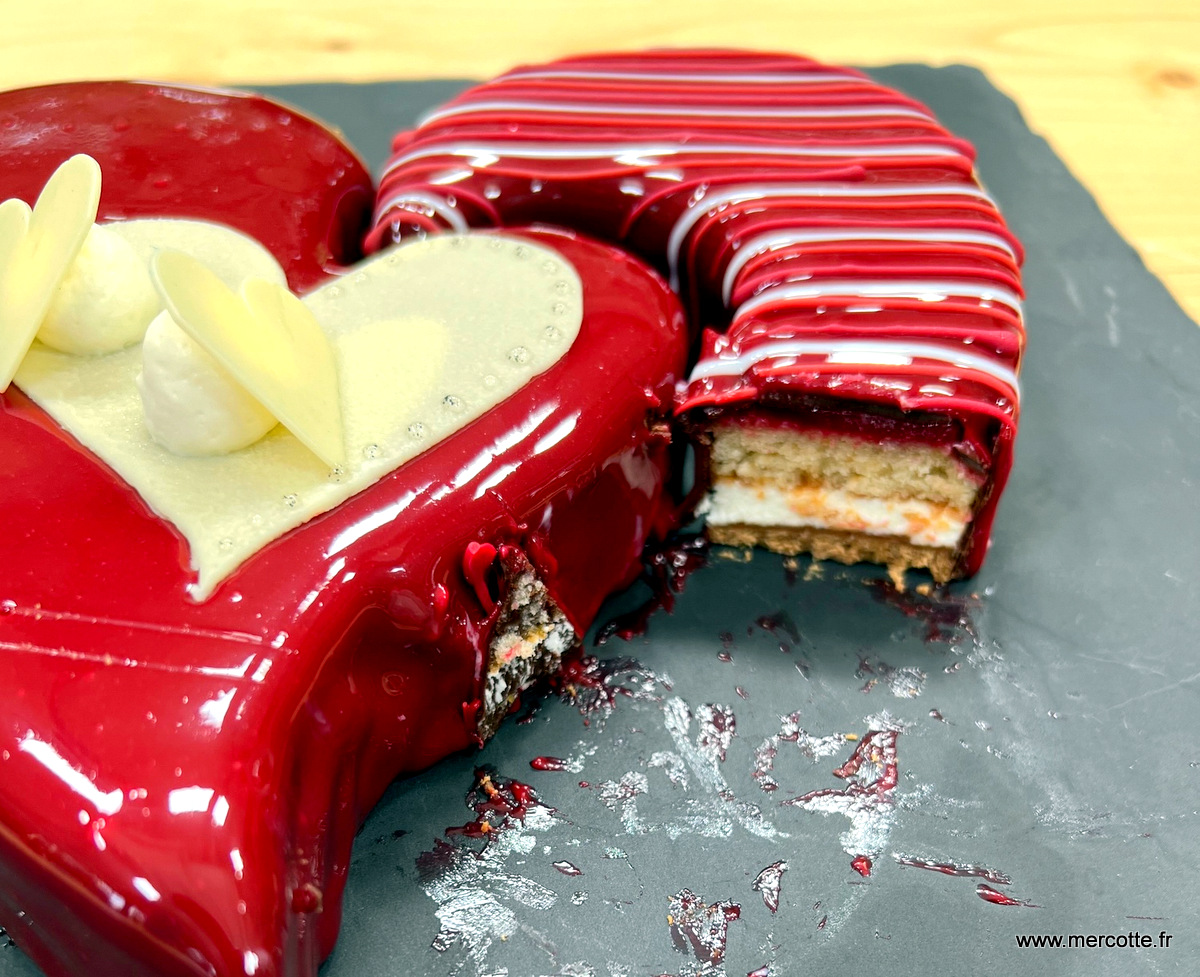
pixel 593 684
pixel 958 871
pixel 345 653
pixel 876 751
pixel 877 747
pixel 716 728
pixel 988 894
pixel 829 227
pixel 947 616
pixel 549 763
pixel 497 801
pixel 764 764
pixel 665 569
pixel 699 929
pixel 779 621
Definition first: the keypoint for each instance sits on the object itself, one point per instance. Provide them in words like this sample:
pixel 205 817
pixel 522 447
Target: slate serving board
pixel 1043 715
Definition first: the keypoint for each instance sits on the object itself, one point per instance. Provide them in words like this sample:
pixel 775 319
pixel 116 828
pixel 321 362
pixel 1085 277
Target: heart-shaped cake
pixel 294 545
pixel 214 665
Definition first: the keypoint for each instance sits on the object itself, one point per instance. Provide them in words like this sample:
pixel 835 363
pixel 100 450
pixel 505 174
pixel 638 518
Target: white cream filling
pixel 733 501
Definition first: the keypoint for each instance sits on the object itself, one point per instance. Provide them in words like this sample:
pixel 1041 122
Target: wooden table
pixel 1116 92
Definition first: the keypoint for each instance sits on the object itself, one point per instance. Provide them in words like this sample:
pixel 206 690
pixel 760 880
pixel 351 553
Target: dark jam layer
pixel 872 423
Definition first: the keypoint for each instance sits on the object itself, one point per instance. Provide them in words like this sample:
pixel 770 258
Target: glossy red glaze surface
pixel 180 783
pixel 166 151
pixel 828 228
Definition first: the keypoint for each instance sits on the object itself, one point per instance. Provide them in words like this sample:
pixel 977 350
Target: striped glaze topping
pixel 829 234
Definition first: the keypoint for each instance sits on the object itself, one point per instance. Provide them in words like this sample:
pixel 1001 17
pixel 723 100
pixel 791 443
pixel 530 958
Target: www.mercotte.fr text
pixel 1133 940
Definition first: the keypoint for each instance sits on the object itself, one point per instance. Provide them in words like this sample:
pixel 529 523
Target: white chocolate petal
pixel 265 338
pixel 38 247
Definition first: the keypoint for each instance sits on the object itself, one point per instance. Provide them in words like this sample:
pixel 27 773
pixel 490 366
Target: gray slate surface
pixel 1067 676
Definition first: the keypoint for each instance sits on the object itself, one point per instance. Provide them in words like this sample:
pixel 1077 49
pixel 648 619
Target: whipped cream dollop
pixel 104 302
pixel 192 405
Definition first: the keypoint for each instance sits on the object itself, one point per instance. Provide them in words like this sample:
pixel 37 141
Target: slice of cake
pixel 856 393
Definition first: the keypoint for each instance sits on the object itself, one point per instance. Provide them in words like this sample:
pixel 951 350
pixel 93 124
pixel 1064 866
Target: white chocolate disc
pixel 37 246
pixel 268 340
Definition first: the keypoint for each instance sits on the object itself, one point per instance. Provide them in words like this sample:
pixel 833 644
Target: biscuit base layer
pixel 841 546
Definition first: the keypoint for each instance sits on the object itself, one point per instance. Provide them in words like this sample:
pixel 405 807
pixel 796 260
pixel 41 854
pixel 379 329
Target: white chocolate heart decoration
pixel 426 338
pixel 14 226
pixel 36 248
pixel 269 342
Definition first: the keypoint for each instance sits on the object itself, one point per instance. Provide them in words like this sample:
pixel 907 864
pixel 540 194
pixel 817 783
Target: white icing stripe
pixel 753 78
pixel 744 193
pixel 483 154
pixel 921 289
pixel 438 205
pixel 781 239
pixel 863 352
pixel 714 111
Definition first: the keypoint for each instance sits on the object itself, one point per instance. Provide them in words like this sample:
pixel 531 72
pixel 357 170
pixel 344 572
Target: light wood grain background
pixel 1115 87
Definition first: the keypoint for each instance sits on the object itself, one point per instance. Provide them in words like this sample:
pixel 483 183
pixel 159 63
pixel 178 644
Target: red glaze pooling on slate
pixel 957 871
pixel 997 898
pixel 498 803
pixel 699 929
pixel 549 763
pixel 665 570
pixel 162 762
pixel 828 227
